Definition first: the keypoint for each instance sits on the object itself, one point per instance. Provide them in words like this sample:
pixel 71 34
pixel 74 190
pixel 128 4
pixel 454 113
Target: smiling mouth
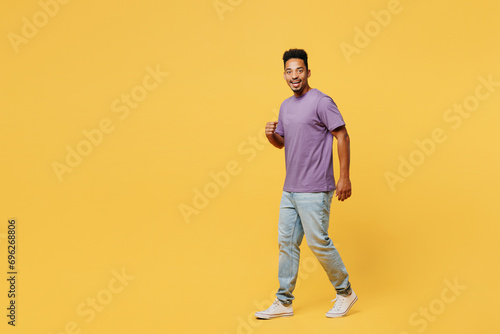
pixel 295 83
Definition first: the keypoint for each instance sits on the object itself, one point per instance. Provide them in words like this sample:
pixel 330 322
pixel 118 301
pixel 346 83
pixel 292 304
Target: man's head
pixel 296 71
pixel 295 53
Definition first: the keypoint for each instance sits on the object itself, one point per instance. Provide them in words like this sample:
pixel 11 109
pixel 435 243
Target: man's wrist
pixel 272 135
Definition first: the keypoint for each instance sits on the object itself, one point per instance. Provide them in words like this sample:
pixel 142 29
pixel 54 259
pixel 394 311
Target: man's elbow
pixel 279 145
pixel 345 137
pixel 341 135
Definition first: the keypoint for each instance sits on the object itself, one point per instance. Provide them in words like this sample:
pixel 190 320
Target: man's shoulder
pixel 287 99
pixel 320 95
pixel 317 95
pixel 285 103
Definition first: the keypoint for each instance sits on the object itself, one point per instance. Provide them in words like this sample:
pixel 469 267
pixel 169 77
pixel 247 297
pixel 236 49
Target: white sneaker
pixel 275 310
pixel 342 305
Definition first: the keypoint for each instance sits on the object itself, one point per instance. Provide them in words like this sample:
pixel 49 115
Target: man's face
pixel 296 75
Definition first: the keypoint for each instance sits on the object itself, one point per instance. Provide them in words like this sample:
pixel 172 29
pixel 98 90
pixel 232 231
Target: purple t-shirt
pixel 306 123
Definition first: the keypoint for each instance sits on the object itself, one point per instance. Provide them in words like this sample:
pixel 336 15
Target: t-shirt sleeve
pixel 329 114
pixel 279 127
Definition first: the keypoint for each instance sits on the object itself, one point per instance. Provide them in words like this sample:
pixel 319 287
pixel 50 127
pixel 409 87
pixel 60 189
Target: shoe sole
pixel 341 315
pixel 261 316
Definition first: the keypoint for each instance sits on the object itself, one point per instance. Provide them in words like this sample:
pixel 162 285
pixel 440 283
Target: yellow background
pixel 120 208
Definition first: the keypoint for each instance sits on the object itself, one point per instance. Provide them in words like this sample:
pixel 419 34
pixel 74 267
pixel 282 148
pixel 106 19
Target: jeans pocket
pixel 327 200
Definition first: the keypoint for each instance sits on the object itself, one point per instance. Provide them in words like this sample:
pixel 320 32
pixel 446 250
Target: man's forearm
pixel 276 140
pixel 344 150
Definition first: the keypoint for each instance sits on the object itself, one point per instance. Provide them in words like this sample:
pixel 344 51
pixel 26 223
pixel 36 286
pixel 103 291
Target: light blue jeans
pixel 309 214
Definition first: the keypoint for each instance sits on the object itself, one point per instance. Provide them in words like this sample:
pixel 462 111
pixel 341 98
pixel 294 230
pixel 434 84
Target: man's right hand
pixel 274 138
pixel 270 128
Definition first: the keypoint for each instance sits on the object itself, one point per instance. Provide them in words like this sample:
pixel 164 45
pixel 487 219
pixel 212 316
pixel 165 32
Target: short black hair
pixel 295 53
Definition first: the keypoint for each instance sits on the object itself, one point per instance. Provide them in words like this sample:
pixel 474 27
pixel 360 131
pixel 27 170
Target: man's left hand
pixel 343 191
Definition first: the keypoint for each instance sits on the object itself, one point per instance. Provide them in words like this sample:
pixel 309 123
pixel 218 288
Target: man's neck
pixel 302 92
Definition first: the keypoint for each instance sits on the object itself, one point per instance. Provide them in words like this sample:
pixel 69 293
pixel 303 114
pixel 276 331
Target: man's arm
pixel 344 150
pixel 275 139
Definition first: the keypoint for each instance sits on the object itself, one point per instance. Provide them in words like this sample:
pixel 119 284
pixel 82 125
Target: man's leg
pixel 290 235
pixel 314 212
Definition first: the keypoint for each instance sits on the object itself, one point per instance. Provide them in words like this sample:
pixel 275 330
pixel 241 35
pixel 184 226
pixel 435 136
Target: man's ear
pixel 308 73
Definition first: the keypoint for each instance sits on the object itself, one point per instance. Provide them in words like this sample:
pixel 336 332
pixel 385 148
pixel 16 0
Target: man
pixel 307 123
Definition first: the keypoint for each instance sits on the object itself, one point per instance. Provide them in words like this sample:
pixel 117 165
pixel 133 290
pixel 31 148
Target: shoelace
pixel 274 305
pixel 338 303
